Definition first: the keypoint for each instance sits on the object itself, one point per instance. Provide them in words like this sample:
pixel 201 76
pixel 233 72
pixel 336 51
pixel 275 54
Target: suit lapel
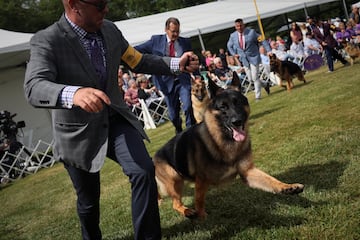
pixel 107 45
pixel 165 43
pixel 77 49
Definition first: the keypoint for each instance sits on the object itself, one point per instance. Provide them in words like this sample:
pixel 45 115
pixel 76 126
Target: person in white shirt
pixel 297 51
pixel 311 45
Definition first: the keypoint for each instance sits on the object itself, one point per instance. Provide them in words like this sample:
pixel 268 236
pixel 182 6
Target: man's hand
pixel 189 62
pixel 90 99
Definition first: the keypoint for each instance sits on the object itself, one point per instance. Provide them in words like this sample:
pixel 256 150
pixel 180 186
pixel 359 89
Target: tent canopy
pixel 209 17
pixel 204 18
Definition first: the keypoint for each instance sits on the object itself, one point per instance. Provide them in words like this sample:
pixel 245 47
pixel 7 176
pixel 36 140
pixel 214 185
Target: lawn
pixel 310 135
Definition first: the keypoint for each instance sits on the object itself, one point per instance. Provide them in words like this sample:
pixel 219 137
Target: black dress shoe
pixel 267 88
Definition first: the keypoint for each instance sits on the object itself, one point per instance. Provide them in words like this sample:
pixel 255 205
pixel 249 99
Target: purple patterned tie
pixel 97 59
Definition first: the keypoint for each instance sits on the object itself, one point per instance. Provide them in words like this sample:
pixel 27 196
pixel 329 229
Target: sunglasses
pixel 100 6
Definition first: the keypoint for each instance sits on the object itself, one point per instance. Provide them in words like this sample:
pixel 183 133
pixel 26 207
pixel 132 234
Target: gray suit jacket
pixel 249 55
pixel 57 59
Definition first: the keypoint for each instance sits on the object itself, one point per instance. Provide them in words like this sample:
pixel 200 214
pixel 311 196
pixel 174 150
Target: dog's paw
pixel 293 189
pixel 191 213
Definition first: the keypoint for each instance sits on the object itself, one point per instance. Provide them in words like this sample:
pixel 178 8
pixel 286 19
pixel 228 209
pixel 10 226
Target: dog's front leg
pixel 255 178
pixel 201 188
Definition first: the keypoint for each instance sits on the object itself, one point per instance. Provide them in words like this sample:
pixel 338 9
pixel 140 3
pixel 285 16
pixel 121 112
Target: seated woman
pixel 223 74
pixel 343 35
pixel 311 45
pixel 131 94
pixel 151 95
pixel 235 66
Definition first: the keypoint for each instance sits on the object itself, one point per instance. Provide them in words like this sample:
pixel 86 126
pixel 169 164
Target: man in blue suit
pixel 244 44
pixel 177 89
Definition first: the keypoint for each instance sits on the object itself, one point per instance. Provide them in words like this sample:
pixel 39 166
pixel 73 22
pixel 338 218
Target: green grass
pixel 310 135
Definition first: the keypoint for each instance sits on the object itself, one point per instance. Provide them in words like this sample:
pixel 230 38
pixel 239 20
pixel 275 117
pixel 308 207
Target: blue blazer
pixel 249 55
pixel 157 46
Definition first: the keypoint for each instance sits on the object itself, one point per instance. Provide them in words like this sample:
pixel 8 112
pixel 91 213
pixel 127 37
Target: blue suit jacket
pixel 249 55
pixel 157 46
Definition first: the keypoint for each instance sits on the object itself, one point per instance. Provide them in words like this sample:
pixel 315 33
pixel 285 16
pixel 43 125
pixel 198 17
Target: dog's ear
pixel 235 80
pixel 192 80
pixel 212 88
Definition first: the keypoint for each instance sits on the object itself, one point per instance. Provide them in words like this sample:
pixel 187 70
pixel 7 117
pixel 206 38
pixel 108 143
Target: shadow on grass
pixel 319 176
pixel 298 84
pixel 264 113
pixel 235 207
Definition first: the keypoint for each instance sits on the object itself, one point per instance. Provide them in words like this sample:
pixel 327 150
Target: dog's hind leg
pixel 255 178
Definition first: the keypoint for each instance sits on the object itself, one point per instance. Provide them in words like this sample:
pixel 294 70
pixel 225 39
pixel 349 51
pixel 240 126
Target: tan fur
pixel 199 99
pixel 353 51
pixel 286 71
pixel 226 159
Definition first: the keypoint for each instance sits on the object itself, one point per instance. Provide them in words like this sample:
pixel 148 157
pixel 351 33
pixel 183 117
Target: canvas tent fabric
pixel 14 48
pixel 209 17
pixel 204 18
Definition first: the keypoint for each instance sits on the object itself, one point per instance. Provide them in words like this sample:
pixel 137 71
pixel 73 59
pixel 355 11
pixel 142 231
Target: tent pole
pixel 259 22
pixel 201 40
pixel 345 10
pixel 305 10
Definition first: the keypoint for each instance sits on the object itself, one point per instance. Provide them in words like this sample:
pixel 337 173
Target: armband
pixel 131 57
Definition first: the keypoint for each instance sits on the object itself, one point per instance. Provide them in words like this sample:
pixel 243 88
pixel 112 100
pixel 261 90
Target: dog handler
pixel 73 70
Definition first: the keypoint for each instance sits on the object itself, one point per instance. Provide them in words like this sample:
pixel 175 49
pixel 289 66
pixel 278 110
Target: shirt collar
pixel 78 30
pixel 168 39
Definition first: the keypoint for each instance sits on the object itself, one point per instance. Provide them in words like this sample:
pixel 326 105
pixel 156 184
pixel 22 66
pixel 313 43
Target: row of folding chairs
pixel 151 112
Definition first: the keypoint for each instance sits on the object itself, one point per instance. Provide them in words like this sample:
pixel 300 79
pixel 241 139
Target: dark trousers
pixel 179 97
pixel 331 55
pixel 126 147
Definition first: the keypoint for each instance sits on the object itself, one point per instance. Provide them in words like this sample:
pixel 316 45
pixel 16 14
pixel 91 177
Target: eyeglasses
pixel 100 6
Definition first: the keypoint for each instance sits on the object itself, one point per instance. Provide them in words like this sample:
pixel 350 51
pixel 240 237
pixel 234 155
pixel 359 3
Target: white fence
pixel 25 162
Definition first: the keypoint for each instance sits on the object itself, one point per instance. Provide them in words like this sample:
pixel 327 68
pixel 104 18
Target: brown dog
pixel 199 98
pixel 202 90
pixel 286 70
pixel 213 152
pixel 353 51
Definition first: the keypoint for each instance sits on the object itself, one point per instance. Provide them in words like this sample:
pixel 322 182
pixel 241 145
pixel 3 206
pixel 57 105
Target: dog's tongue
pixel 238 135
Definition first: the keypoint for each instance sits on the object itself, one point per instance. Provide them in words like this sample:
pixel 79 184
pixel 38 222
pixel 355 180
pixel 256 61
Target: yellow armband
pixel 131 57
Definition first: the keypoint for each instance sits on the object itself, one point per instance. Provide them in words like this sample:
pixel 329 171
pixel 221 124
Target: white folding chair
pixel 158 109
pixel 143 115
pixel 247 85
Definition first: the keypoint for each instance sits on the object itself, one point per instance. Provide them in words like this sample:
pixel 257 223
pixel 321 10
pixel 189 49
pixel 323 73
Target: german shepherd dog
pixel 286 70
pixel 201 93
pixel 213 152
pixel 199 99
pixel 353 51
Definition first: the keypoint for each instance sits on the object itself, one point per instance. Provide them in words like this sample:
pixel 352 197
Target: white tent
pixel 210 17
pixel 14 48
pixel 205 18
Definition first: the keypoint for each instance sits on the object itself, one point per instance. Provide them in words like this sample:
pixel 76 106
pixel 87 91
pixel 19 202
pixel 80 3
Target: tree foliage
pixel 33 15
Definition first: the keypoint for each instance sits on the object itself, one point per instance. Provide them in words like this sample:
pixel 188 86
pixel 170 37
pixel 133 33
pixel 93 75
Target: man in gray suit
pixel 90 119
pixel 244 44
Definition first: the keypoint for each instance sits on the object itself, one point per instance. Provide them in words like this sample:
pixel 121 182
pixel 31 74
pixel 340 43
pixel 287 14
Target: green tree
pixel 28 15
pixel 33 15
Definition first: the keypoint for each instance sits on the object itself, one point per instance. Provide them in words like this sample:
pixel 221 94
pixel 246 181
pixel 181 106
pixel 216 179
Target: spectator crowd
pixel 326 38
